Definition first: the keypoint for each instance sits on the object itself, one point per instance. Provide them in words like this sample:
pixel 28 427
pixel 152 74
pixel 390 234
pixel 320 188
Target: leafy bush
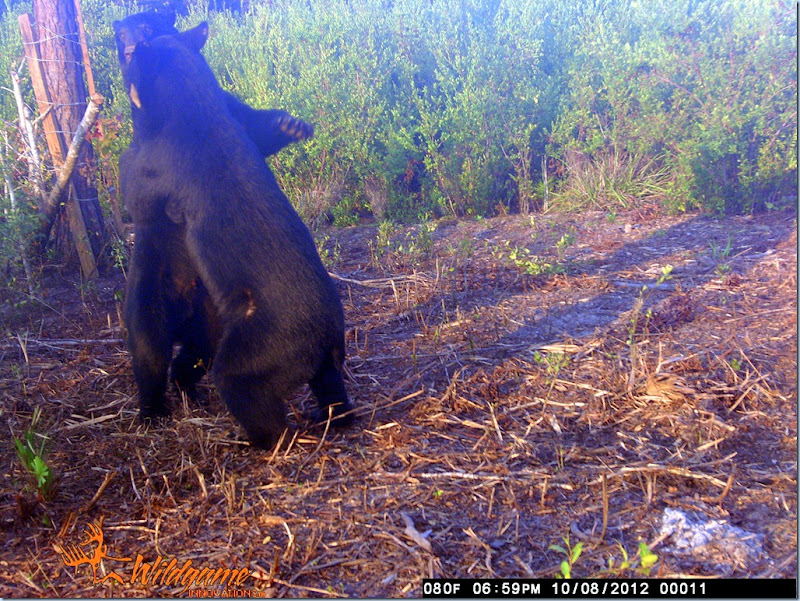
pixel 461 107
pixel 701 94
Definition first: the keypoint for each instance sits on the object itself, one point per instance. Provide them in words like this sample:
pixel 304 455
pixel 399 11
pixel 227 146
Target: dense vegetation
pixel 467 107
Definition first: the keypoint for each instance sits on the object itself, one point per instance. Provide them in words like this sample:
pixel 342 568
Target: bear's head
pixel 141 27
pixel 169 72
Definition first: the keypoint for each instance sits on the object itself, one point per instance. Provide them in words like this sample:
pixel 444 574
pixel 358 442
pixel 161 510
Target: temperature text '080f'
pixel 450 589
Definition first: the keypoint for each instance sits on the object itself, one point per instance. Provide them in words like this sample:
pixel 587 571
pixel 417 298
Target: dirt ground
pixel 515 386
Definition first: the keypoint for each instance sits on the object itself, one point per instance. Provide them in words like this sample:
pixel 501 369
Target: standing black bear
pixel 271 130
pixel 161 279
pixel 281 317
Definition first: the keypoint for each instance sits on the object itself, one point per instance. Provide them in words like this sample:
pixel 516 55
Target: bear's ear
pixel 195 38
pixel 116 25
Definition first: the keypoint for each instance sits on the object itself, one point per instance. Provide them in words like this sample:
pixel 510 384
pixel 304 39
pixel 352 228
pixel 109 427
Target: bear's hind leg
pixel 149 339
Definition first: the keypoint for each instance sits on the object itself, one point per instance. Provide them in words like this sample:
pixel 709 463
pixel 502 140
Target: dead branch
pixel 380 282
pixel 31 150
pixel 89 117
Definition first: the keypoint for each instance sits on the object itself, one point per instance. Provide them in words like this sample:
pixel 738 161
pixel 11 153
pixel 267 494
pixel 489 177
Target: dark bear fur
pixel 166 303
pixel 271 130
pixel 281 316
pixel 187 314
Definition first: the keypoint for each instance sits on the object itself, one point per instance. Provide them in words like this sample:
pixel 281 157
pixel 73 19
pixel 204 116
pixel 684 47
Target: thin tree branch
pixel 89 117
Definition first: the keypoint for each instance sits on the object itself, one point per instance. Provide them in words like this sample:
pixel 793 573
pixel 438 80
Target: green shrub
pixel 703 94
pixel 454 106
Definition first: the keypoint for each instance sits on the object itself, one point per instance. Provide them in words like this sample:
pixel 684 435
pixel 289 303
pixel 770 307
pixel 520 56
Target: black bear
pixel 281 317
pixel 159 270
pixel 271 130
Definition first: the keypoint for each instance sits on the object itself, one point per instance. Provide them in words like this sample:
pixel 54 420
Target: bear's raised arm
pixel 270 130
pixel 283 128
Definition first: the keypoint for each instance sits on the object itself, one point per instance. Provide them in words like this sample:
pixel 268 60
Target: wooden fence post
pixel 57 145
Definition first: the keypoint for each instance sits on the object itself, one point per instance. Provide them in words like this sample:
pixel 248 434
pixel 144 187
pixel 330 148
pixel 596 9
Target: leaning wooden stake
pixel 33 59
pixel 89 117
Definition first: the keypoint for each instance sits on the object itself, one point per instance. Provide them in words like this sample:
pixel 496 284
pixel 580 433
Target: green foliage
pixel 18 223
pixel 119 255
pixel 720 256
pixel 554 362
pixel 527 262
pixel 453 107
pixel 32 450
pixel 10 55
pixel 330 257
pixel 641 564
pixel 572 555
pixel 385 231
pixel 567 240
pixel 690 102
pixel 419 243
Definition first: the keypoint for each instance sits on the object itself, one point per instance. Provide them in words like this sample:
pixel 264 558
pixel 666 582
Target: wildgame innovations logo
pixel 195 581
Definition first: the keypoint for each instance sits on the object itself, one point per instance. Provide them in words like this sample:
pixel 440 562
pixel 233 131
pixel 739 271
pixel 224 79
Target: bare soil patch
pixel 514 386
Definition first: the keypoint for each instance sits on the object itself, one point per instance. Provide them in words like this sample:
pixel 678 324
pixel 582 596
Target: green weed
pixel 567 240
pixel 720 255
pixel 527 262
pixel 32 450
pixel 644 294
pixel 329 257
pixel 572 555
pixel 641 564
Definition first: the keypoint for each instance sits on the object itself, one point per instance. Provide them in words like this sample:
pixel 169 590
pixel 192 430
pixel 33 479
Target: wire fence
pixel 60 73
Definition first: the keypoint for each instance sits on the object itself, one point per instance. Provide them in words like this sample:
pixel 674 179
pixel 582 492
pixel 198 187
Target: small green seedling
pixel 641 564
pixel 572 554
pixel 32 452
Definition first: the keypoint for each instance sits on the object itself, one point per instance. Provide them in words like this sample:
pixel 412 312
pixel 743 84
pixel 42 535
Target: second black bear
pixel 282 322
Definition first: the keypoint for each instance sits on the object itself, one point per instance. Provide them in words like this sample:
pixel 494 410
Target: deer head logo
pixel 91 551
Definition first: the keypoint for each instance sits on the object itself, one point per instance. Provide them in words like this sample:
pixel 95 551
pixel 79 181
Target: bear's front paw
pixel 297 129
pixel 342 417
pixel 154 414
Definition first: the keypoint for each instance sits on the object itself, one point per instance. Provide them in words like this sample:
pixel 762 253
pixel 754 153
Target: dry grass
pixel 612 179
pixel 498 414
